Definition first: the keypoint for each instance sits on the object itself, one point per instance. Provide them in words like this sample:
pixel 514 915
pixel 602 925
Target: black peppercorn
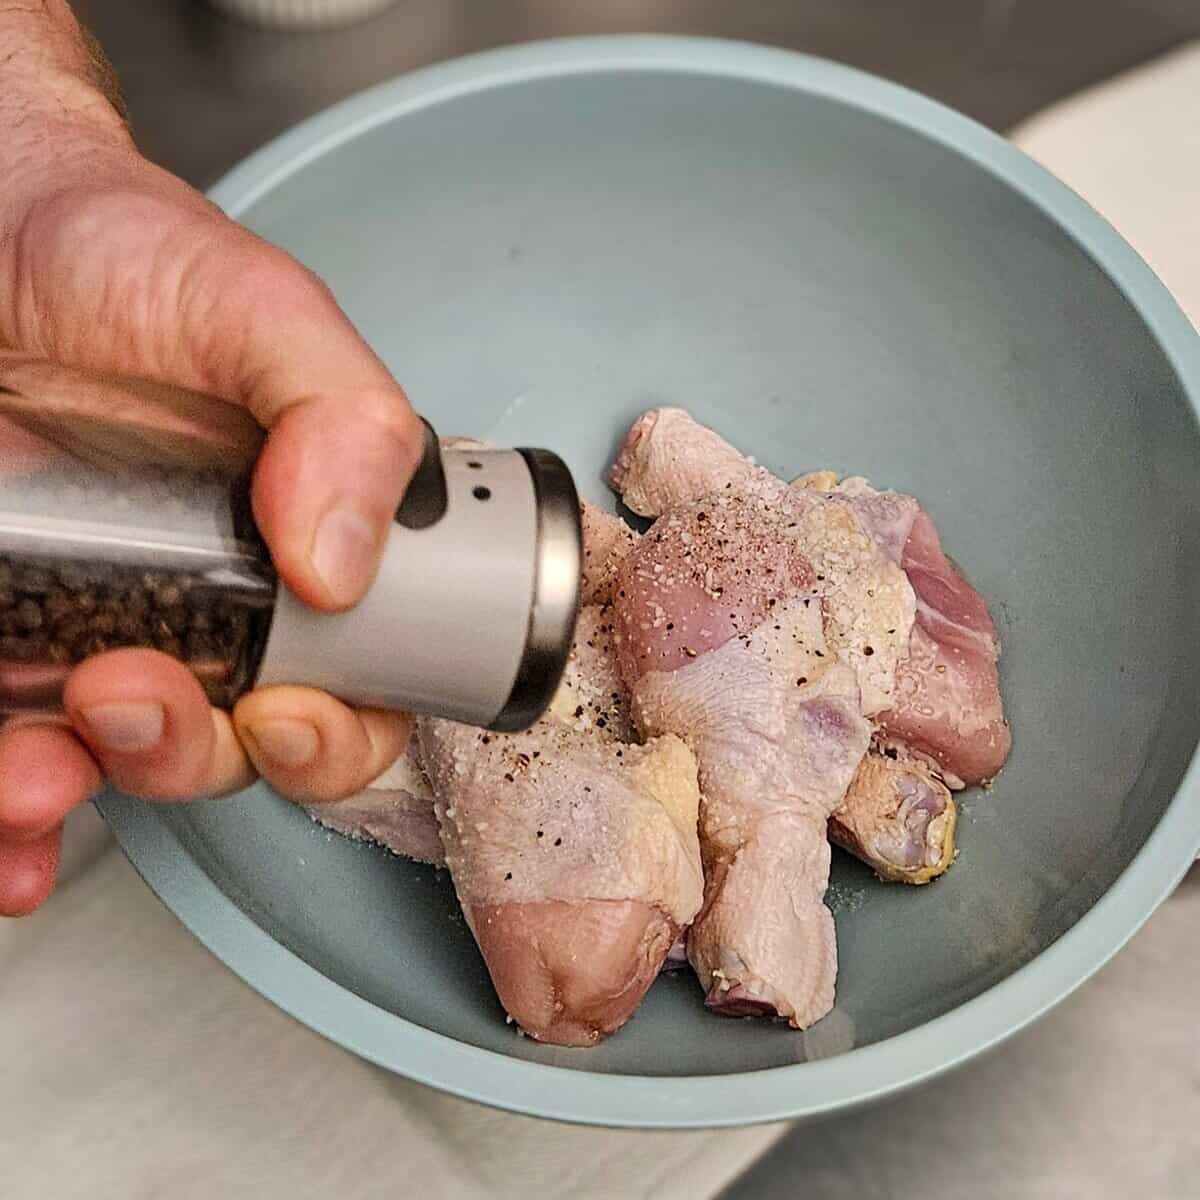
pixel 103 623
pixel 57 606
pixel 170 594
pixel 73 577
pixel 34 581
pixel 29 615
pixel 176 618
pixel 15 649
pixel 168 643
pixel 129 628
pixel 200 646
pixel 238 622
pixel 135 603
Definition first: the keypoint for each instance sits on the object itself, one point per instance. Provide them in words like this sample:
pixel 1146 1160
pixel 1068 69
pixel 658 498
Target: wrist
pixel 53 72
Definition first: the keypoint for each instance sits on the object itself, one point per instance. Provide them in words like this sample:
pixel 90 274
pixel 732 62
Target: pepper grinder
pixel 125 521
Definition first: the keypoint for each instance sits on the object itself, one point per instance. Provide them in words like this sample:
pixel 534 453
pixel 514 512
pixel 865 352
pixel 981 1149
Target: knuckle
pixel 390 412
pixel 267 274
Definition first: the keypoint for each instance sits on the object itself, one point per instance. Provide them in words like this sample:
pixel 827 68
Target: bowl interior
pixel 541 261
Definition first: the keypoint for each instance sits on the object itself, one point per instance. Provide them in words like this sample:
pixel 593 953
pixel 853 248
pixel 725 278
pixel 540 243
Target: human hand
pixel 111 264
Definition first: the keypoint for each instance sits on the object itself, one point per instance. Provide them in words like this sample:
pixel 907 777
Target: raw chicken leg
pixel 669 458
pixel 722 642
pixel 397 809
pixel 898 817
pixel 946 702
pixel 573 851
pixel 627 808
pixel 606 541
pixel 869 606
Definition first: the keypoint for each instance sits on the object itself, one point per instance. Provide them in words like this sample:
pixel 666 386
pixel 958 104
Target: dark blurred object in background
pixel 205 90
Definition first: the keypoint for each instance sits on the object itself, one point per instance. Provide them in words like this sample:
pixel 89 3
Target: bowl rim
pixel 800 1090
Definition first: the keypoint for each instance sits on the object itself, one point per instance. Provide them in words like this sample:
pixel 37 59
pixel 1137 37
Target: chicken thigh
pixel 574 852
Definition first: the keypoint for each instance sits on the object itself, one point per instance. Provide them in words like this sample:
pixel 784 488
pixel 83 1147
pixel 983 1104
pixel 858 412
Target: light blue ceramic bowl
pixel 835 272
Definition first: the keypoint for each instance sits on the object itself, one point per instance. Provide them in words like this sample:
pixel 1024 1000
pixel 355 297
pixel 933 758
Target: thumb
pixel 154 282
pixel 327 486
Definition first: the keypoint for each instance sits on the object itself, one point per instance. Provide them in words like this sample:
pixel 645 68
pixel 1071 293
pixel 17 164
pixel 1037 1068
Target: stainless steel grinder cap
pixel 472 614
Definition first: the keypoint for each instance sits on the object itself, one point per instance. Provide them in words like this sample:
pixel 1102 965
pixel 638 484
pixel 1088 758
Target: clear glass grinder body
pixel 125 522
pixel 93 560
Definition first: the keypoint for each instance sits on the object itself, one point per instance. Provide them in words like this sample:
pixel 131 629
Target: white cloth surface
pixel 133 1066
pixel 1099 1100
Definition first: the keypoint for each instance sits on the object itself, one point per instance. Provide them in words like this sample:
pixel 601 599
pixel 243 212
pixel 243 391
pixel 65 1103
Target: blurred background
pixel 204 89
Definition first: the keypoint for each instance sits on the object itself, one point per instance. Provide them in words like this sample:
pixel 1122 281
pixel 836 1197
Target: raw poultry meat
pixel 897 816
pixel 946 700
pixel 947 703
pixel 812 613
pixel 867 600
pixel 397 809
pixel 606 542
pixel 668 458
pixel 731 542
pixel 722 641
pixel 573 851
pixel 776 757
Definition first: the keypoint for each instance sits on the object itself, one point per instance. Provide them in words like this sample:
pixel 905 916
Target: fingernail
pixel 130 727
pixel 343 553
pixel 285 742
